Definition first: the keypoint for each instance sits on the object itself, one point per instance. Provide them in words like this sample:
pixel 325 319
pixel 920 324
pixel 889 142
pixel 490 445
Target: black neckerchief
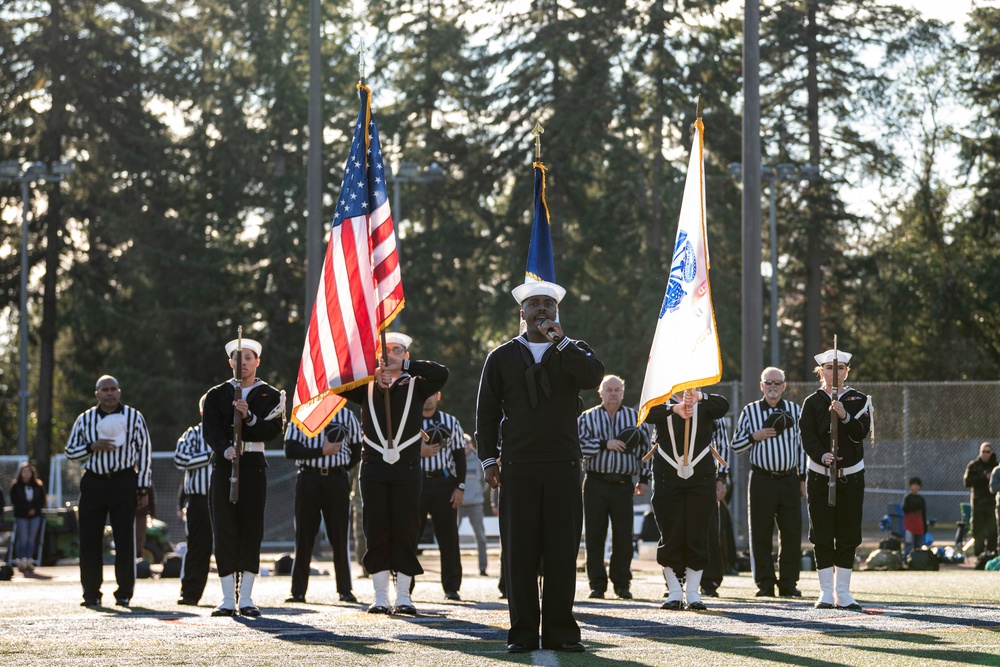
pixel 535 374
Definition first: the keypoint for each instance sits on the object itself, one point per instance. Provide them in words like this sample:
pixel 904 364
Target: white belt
pixel 253 446
pixel 391 454
pixel 823 470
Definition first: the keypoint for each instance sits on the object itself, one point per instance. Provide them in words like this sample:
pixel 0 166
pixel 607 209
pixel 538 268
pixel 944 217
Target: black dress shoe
pixel 91 603
pixel 623 593
pixel 792 592
pixel 222 611
pixel 696 606
pixel 405 610
pixel 187 602
pixel 453 596
pixel 347 597
pixel 596 595
pixel 710 592
pixel 571 647
pixel 672 605
pixel 295 598
pixel 518 648
pixel 378 609
pixel 851 607
pixel 250 612
pixel 822 605
pixel 122 602
pixel 764 593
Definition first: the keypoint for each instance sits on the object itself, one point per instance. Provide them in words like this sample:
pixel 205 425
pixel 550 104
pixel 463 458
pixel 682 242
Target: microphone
pixel 549 332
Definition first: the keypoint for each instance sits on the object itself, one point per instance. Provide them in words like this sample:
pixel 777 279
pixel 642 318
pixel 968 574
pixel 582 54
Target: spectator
pixel 914 517
pixel 472 505
pixel 995 489
pixel 27 495
pixel 977 478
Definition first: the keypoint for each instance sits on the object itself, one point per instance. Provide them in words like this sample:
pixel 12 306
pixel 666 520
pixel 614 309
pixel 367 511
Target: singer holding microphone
pixel 532 384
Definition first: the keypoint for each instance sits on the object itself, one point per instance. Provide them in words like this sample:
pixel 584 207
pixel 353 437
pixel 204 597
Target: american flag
pixel 360 287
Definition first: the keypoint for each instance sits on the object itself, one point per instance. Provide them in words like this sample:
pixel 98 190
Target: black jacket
pixel 538 403
pixel 815 426
pixel 977 478
pixel 217 421
pixel 710 408
pixel 429 377
pixel 20 503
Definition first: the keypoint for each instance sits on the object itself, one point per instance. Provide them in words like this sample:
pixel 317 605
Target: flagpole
pixel 385 347
pixel 314 176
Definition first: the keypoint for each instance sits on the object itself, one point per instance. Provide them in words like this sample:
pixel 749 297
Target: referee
pixel 769 430
pixel 323 489
pixel 194 457
pixel 612 449
pixel 442 461
pixel 112 443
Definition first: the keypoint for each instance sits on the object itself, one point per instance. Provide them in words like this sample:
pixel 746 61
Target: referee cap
pixel 779 420
pixel 336 432
pixel 437 434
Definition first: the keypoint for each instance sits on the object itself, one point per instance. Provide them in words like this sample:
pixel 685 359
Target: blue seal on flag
pixel 682 270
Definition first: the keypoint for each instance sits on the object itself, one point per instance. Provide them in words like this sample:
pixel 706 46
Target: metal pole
pixel 775 361
pixel 397 213
pixel 906 433
pixel 753 347
pixel 314 177
pixel 22 394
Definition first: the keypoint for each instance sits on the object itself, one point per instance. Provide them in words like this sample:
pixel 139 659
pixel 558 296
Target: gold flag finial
pixel 537 133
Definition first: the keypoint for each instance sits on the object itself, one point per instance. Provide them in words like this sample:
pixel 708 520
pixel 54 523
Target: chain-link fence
pixel 279 513
pixel 926 430
pixel 929 430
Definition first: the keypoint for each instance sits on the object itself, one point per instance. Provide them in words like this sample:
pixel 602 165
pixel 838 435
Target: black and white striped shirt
pixel 194 457
pixel 778 454
pixel 136 453
pixel 596 427
pixel 720 440
pixel 445 458
pixel 341 459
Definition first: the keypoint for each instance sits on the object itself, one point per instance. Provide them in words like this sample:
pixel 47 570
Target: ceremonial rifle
pixel 234 477
pixel 834 422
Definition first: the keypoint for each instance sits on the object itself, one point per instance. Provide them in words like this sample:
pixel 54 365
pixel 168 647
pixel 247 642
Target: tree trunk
pixel 51 151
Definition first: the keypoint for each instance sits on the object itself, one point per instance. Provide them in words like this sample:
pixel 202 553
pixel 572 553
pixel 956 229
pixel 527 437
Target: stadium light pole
pixel 409 172
pixel 782 173
pixel 26 174
pixel 314 174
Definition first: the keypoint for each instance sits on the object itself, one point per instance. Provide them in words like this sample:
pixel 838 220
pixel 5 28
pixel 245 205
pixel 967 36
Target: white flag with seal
pixel 685 353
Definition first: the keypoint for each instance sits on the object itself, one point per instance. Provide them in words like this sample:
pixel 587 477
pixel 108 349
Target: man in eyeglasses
pixel 769 430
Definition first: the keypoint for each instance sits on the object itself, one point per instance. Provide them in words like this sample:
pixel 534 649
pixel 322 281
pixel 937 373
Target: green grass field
pixel 949 617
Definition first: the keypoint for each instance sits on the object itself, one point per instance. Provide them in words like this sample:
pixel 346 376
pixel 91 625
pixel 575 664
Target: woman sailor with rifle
pixel 835 422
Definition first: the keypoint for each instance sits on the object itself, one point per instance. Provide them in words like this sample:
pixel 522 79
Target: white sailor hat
pixel 248 343
pixel 827 357
pixel 538 288
pixel 396 338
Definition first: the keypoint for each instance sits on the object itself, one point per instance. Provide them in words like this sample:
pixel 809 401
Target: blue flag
pixel 541 266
